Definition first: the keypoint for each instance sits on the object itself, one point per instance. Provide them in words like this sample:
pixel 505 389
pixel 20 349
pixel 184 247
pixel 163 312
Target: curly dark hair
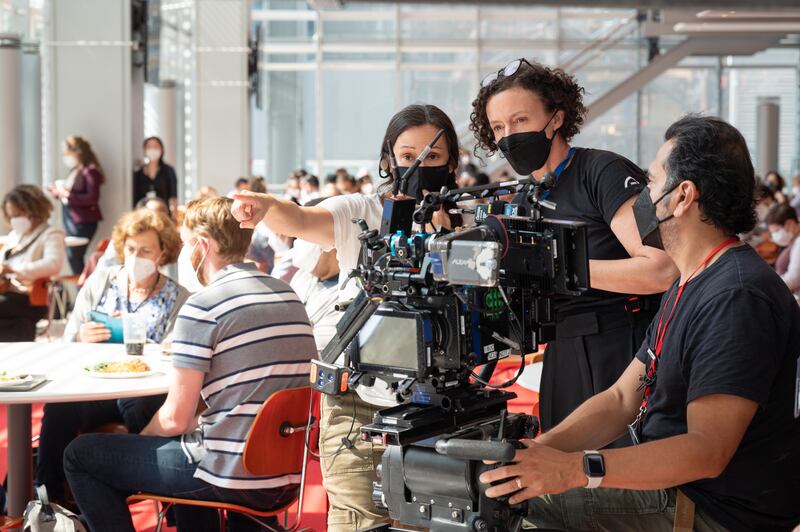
pixel 713 155
pixel 31 200
pixel 557 89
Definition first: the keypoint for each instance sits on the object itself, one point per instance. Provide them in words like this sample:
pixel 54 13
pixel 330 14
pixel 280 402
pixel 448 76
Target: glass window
pixel 451 91
pixel 358 30
pixel 358 105
pixel 675 93
pixel 744 88
pixel 284 130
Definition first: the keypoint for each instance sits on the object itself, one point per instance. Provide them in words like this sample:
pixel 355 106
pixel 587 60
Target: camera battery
pixel 329 379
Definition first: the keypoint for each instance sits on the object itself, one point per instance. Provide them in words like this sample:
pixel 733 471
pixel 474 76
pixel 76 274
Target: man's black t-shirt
pixel 736 331
pixel 164 185
pixel 592 189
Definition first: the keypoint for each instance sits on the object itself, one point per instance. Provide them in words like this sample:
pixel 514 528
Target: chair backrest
pixel 276 442
pixel 39 290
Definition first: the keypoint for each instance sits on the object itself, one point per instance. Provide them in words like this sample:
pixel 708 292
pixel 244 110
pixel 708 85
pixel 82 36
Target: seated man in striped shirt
pixel 244 336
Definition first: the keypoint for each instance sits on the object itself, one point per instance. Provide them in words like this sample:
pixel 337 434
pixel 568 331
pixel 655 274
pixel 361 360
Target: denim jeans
pixel 104 469
pixel 75 254
pixel 63 422
pixel 614 510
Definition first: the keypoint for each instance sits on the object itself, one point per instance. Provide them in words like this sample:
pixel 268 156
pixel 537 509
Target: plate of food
pixel 120 369
pixel 19 379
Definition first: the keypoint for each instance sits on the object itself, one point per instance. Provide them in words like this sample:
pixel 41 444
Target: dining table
pixel 67 370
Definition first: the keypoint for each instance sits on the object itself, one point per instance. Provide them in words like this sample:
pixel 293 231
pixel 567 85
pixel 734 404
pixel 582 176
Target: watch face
pixel 594 466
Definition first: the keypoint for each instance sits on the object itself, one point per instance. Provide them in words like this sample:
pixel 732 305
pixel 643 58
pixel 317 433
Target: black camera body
pixel 434 307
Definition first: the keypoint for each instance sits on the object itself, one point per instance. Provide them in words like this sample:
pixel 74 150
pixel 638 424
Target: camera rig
pixel 432 308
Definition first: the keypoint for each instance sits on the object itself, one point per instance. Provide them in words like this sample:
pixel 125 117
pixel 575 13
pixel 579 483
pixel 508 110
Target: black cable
pixel 506 384
pixel 346 442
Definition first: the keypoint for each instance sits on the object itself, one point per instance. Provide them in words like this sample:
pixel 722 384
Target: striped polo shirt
pixel 250 335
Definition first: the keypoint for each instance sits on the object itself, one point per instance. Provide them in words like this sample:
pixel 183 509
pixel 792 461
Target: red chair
pixel 276 445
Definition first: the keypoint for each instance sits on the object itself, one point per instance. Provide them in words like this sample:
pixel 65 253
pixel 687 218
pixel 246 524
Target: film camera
pixel 434 307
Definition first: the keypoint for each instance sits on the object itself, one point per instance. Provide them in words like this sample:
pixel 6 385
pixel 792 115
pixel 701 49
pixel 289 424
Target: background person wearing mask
pixel 143 241
pixel 316 283
pixel 80 194
pixel 784 228
pixel 530 113
pixel 776 184
pixel 349 471
pixel 156 179
pixel 35 251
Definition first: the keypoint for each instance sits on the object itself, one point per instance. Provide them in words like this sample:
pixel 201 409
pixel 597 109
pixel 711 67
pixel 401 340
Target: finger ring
pixel 519 483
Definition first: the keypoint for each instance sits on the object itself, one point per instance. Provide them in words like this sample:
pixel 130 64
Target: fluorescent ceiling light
pixel 737 27
pixel 744 14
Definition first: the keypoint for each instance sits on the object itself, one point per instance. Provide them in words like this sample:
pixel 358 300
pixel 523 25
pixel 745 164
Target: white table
pixel 63 365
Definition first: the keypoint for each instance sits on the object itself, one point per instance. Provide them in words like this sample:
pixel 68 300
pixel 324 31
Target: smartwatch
pixel 595 468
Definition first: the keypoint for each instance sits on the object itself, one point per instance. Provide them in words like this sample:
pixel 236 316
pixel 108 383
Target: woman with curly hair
pixel 530 113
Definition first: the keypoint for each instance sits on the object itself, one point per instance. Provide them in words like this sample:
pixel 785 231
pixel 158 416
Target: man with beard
pixel 711 394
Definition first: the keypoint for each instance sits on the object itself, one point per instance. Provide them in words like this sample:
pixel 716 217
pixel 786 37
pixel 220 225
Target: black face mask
pixel 647 221
pixel 430 178
pixel 527 151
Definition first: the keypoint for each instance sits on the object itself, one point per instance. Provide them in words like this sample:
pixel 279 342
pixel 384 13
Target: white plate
pixel 26 379
pixel 121 374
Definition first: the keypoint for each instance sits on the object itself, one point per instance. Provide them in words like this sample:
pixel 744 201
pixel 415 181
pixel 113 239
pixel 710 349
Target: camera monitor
pixel 394 341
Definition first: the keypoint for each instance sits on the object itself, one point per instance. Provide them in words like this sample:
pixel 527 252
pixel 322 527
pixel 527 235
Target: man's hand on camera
pixel 249 208
pixel 537 470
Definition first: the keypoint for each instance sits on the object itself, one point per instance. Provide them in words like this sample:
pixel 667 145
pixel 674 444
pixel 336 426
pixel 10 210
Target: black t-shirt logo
pixel 630 180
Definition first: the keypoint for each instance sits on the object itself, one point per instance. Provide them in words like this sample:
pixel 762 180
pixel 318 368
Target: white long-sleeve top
pixel 39 254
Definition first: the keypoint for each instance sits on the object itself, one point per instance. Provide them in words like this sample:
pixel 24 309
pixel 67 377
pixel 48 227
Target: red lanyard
pixel 649 380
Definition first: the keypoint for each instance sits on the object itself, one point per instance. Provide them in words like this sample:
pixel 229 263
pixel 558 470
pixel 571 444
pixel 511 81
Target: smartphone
pixel 113 324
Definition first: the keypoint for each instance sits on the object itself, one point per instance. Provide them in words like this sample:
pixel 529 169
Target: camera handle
pixel 496 451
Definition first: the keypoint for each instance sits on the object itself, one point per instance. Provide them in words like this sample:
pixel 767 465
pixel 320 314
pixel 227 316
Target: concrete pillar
pixel 137 115
pixel 767 135
pixel 161 118
pixel 218 147
pixel 87 92
pixel 31 115
pixel 10 111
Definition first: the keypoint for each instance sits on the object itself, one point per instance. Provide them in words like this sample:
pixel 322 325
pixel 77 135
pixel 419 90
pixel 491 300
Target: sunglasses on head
pixel 508 70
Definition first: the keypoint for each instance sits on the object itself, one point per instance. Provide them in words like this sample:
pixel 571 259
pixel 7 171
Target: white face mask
pixel 139 268
pixel 198 270
pixel 20 224
pixel 367 188
pixel 70 161
pixel 782 237
pixel 153 154
pixel 305 255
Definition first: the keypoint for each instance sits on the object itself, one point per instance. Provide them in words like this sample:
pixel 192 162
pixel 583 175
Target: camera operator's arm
pixel 285 217
pixel 601 419
pixel 647 271
pixel 703 452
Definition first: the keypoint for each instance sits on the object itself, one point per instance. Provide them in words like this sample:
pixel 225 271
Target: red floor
pixel 316 503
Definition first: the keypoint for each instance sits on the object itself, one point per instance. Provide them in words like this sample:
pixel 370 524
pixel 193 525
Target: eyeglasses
pixel 508 70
